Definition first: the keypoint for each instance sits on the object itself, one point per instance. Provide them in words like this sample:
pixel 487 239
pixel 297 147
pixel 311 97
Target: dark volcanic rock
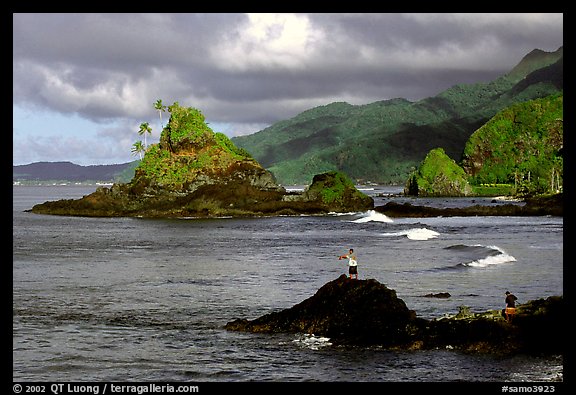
pixel 222 198
pixel 347 311
pixel 335 192
pixel 533 207
pixel 439 295
pixel 366 312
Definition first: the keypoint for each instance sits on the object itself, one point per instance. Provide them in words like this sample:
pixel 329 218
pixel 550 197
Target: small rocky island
pixel 194 172
pixel 366 312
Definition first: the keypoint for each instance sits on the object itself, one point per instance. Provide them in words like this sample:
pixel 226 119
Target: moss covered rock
pixel 438 175
pixel 335 191
pixel 190 155
pixel 193 171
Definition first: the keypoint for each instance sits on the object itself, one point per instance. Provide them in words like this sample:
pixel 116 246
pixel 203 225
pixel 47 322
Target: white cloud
pixel 268 41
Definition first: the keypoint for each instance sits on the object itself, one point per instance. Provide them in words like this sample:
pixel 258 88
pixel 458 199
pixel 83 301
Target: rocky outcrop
pixel 438 175
pixel 194 172
pixel 366 312
pixel 347 311
pixel 552 205
pixel 334 191
pixel 217 197
pixel 439 295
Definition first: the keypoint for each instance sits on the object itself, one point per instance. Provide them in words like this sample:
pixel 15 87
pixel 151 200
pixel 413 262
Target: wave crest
pixel 415 234
pixel 373 216
pixel 479 255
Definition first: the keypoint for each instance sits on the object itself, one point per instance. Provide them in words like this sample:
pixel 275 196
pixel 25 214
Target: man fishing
pixel 510 310
pixel 352 263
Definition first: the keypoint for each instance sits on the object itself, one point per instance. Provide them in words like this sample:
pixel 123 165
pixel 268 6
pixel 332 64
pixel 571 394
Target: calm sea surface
pixel 132 299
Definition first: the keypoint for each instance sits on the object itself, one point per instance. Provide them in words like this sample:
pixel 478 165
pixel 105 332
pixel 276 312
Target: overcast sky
pixel 83 83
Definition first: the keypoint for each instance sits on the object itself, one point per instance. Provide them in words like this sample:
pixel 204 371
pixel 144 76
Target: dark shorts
pixel 353 269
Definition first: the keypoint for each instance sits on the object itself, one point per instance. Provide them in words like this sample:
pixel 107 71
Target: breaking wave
pixel 373 216
pixel 415 234
pixel 479 255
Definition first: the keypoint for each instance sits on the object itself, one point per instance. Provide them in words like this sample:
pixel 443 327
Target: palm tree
pixel 138 148
pixel 144 128
pixel 161 108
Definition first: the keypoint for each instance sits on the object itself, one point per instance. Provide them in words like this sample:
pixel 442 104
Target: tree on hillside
pixel 161 108
pixel 145 128
pixel 138 148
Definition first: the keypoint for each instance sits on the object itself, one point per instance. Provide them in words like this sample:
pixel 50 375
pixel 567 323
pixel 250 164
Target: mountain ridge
pixel 379 142
pixel 69 171
pixel 384 140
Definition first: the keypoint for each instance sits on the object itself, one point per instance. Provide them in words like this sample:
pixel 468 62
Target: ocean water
pixel 133 299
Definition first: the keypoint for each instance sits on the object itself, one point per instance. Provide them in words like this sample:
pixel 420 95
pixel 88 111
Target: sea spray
pixel 312 342
pixel 373 216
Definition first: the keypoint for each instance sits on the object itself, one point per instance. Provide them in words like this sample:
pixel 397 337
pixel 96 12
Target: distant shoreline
pixel 62 183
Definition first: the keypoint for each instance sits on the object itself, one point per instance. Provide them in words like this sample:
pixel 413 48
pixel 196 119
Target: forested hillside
pixel 522 145
pixel 519 151
pixel 384 141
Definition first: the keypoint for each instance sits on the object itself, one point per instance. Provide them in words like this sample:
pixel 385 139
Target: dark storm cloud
pixel 409 31
pixel 117 41
pixel 257 69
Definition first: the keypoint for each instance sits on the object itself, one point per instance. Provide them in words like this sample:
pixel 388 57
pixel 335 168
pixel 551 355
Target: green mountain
pixel 384 141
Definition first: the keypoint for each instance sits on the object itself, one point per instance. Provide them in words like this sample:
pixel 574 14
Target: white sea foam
pixel 312 342
pixel 373 216
pixel 415 234
pixel 495 259
pixel 422 234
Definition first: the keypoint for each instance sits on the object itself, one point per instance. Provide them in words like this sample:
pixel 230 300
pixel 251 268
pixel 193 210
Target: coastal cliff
pixel 519 151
